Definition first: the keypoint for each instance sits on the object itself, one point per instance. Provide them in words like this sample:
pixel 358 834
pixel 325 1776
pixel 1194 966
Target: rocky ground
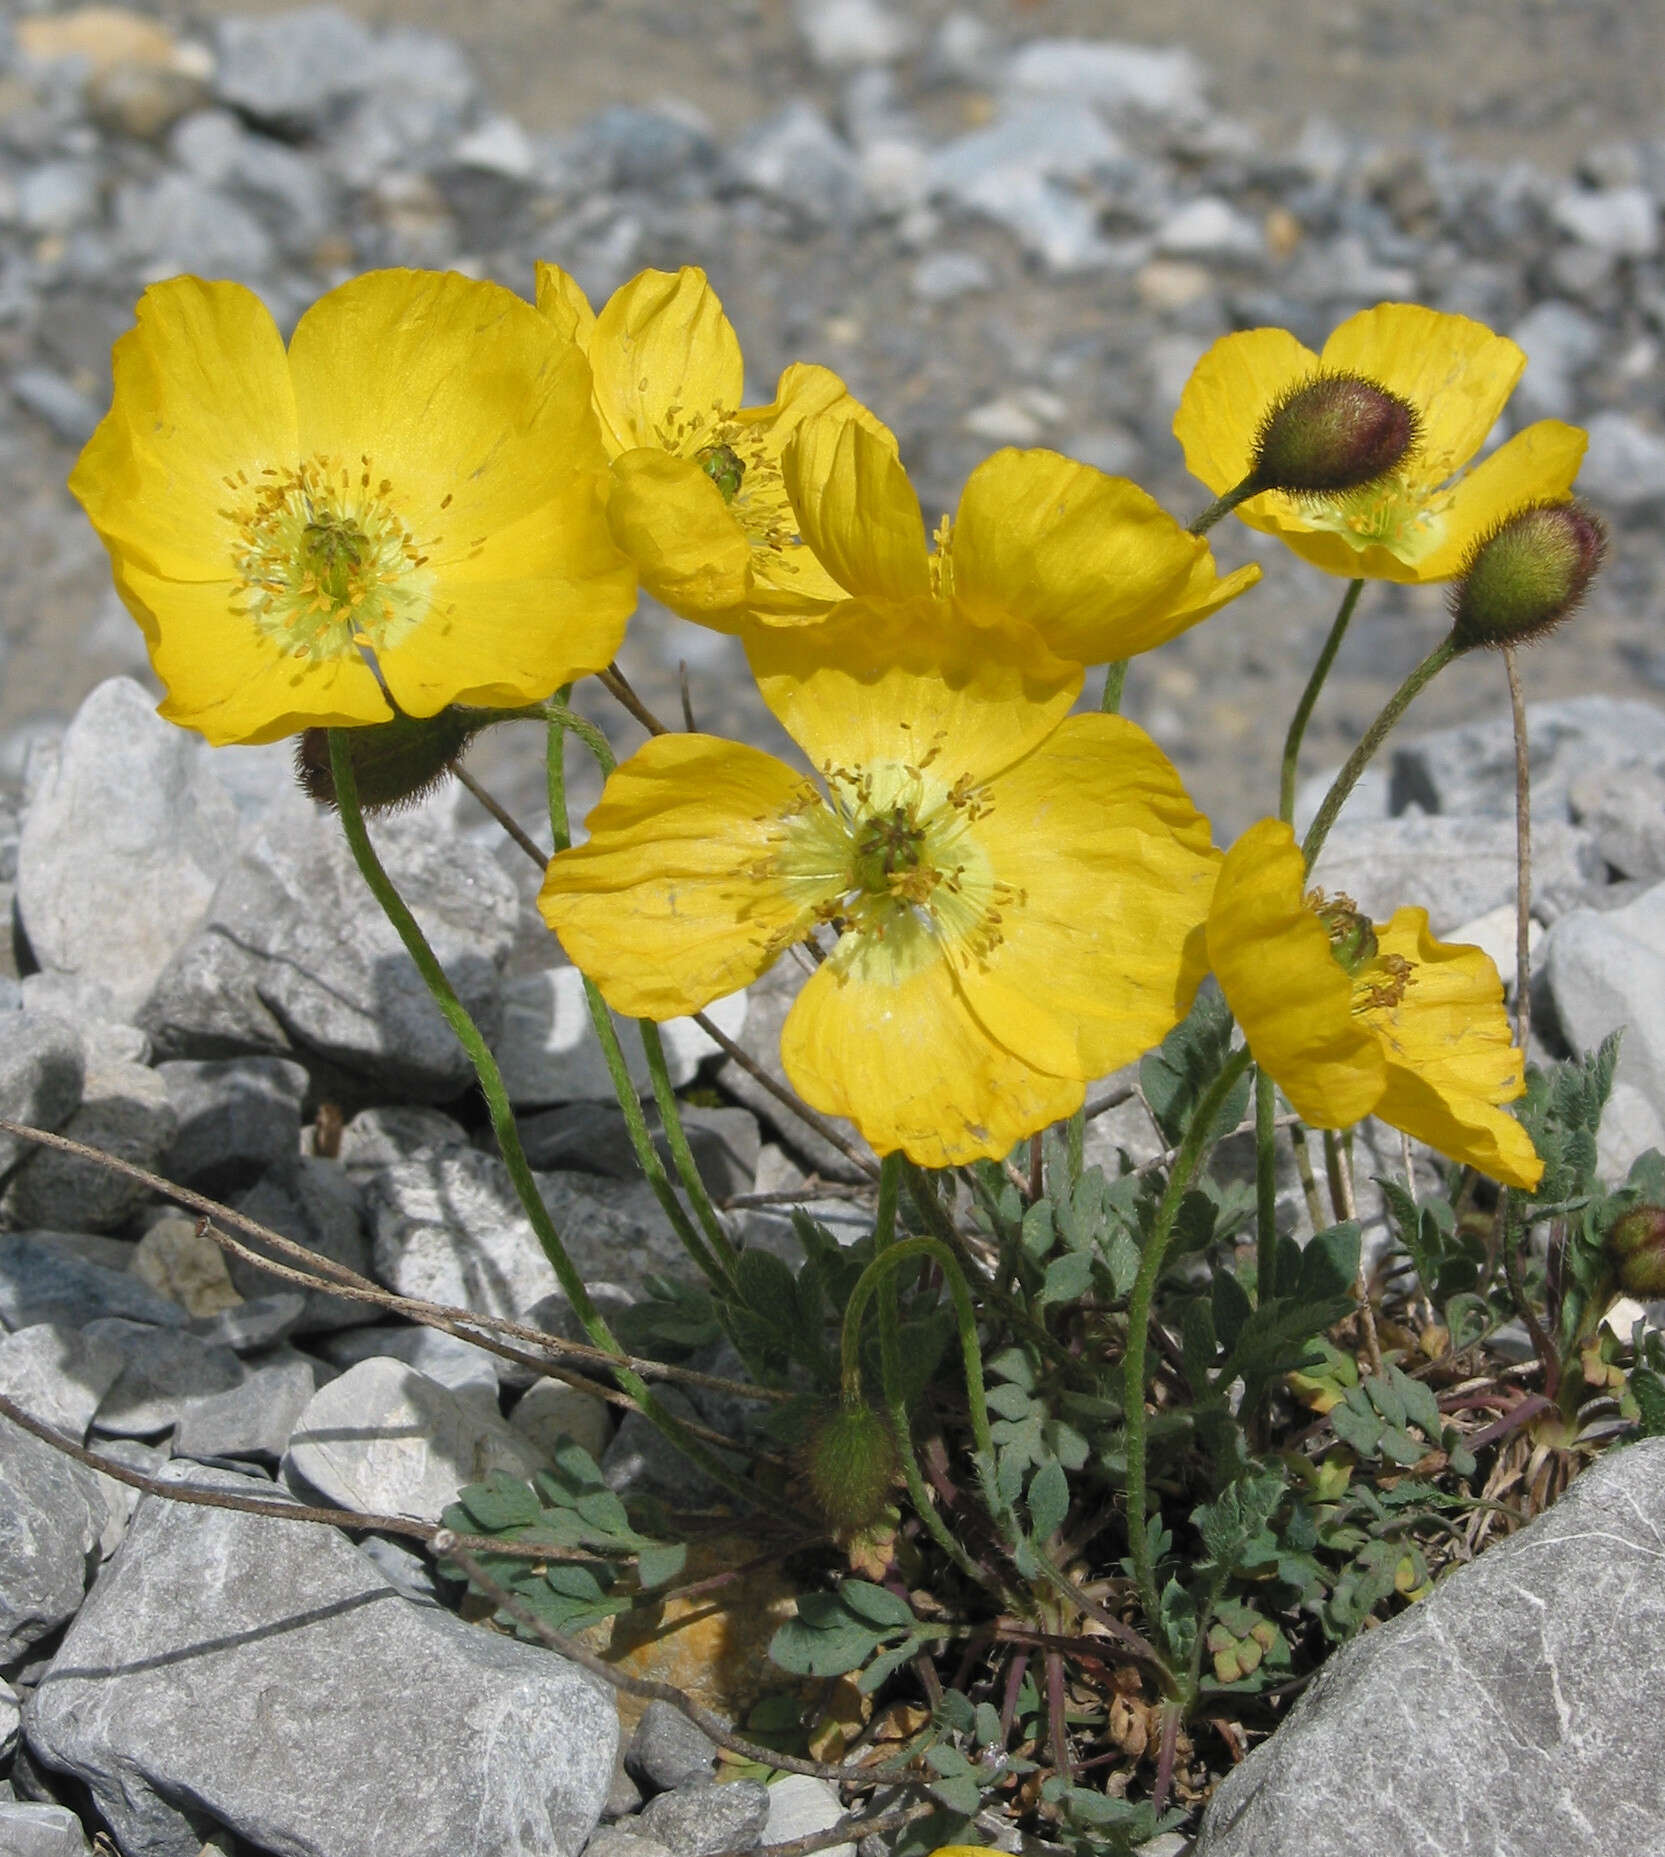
pixel 999 237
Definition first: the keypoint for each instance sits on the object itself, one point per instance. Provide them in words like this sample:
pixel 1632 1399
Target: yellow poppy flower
pixel 1091 562
pixel 698 500
pixel 407 502
pixel 1353 1019
pixel 1004 891
pixel 1419 521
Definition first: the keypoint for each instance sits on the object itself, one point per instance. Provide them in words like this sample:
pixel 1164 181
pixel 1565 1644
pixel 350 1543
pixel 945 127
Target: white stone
pixel 550 1411
pixel 1630 1125
pixel 844 34
pixel 800 1806
pixel 1150 79
pixel 1209 227
pixel 498 146
pixel 1621 221
pixel 1607 971
pixel 1625 464
pixel 1494 935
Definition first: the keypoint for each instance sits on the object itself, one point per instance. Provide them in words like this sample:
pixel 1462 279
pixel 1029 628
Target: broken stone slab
pixel 125 1112
pixel 43 1280
pixel 43 1065
pixel 222 1654
pixel 1514 1712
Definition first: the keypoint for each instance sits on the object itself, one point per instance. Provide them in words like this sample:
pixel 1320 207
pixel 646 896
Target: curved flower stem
pixel 1222 506
pixel 1115 682
pixel 503 1124
pixel 1309 696
pixel 1266 1187
pixel 1372 739
pixel 1523 854
pixel 1192 1150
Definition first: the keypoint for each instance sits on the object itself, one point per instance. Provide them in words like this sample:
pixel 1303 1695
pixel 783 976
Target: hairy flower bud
pixel 1636 1245
pixel 395 763
pixel 1332 432
pixel 1527 575
pixel 852 1463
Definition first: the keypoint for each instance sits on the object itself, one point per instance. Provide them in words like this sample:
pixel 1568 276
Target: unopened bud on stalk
pixel 1636 1244
pixel 1527 575
pixel 1333 432
pixel 852 1463
pixel 395 763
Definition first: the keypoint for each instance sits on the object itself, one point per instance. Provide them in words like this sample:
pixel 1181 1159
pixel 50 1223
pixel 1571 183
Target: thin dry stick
pixel 688 722
pixel 613 681
pixel 449 1547
pixel 1341 1189
pixel 504 818
pixel 1523 856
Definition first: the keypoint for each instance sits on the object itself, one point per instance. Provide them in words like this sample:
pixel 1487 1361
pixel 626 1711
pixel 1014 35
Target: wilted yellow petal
pixel 666 360
pixel 560 298
pixel 855 508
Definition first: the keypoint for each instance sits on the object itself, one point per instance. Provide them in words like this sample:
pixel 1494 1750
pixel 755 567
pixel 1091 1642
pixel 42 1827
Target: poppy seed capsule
pixel 395 763
pixel 1636 1244
pixel 1525 577
pixel 1333 432
pixel 852 1463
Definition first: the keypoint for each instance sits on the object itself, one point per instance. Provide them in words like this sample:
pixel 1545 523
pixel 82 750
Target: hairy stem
pixel 1309 697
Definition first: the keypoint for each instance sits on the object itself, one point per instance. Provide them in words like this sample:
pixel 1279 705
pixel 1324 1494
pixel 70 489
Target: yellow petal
pixel 891 1044
pixel 1231 390
pixel 457 393
pixel 226 681
pixel 1451 1056
pixel 1095 565
pixel 669 905
pixel 1114 870
pixel 666 360
pixel 201 393
pixel 1535 466
pixel 877 684
pixel 1456 372
pixel 856 510
pixel 670 518
pixel 559 297
pixel 1294 1001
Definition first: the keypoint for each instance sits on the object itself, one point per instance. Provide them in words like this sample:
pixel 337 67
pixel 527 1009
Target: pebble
pixel 668 1751
pixel 1606 971
pixel 43 1062
pixel 698 1820
pixel 235 1118
pixel 1624 468
pixel 163 1371
pixel 314 1203
pixel 125 1112
pixel 42 1280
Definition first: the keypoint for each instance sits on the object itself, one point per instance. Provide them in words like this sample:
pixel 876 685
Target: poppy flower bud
pixel 1527 575
pixel 852 1463
pixel 1636 1245
pixel 1332 432
pixel 395 763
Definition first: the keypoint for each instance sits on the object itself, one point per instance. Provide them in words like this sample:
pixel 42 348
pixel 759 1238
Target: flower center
pixel 1397 513
pixel 887 851
pixel 724 466
pixel 1379 980
pixel 327 567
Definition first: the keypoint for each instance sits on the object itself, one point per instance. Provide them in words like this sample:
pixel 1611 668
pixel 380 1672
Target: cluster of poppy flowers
pixel 441 494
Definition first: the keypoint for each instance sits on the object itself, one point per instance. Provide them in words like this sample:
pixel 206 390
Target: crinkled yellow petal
pixel 856 510
pixel 1456 372
pixel 1114 869
pixel 1451 1056
pixel 560 298
pixel 669 903
pixel 805 391
pixel 1535 466
pixel 1294 1001
pixel 670 518
pixel 889 1042
pixel 882 684
pixel 461 397
pixel 667 362
pixel 226 681
pixel 1231 390
pixel 202 394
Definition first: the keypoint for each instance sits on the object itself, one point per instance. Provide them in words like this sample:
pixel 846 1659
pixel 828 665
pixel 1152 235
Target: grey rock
pixel 548 1051
pixel 171 222
pixel 1470 770
pixel 65 408
pixel 210 1616
pixel 290 71
pixel 253 1419
pixel 655 148
pixel 42 1072
pixel 1624 468
pixel 944 276
pixel 797 158
pixel 618 1840
pixel 11 1714
pixel 593 1138
pixel 499 146
pixel 284 186
pixel 1456 868
pixel 124 839
pixel 43 1280
pixel 249 1326
pixel 163 1371
pixel 236 1117
pixel 1148 80
pixel 314 1203
pixel 1210 227
pixel 1606 971
pixel 1622 222
pixel 125 1112
pixel 1625 809
pixel 800 1806
pixel 57 1374
pixel 641 1458
pixel 454 1363
pixel 50 1525
pixel 295 957
pixel 1560 342
pixel 90 1007
pixel 550 1411
pixel 397 1132
pixel 845 34
pixel 667 1750
pixel 121 1498
pixel 1630 1126
pixel 448 1228
pixel 696 1820
pixel 387 1439
pixel 31 1829
pixel 1492 1719
pixel 57 195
